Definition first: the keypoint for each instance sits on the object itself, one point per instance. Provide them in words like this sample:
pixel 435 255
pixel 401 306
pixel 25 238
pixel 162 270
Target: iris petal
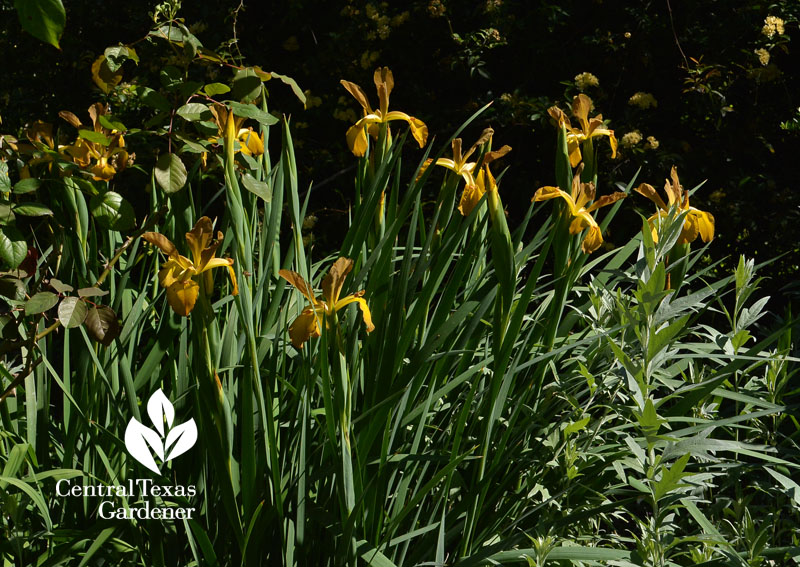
pixel 300 284
pixel 304 327
pixel 199 238
pixel 182 295
pixel 358 94
pixel 593 240
pixel 333 282
pixel 705 222
pixel 362 304
pixel 357 140
pixel 469 199
pixel 549 192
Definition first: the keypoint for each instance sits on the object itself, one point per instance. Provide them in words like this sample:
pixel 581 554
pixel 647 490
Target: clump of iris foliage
pixel 444 389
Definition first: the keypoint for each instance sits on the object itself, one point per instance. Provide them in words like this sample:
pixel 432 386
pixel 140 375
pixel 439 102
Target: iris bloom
pixel 582 194
pixel 40 135
pixel 250 143
pixel 308 323
pixel 357 134
pixel 589 127
pixel 697 223
pixel 103 161
pixel 459 165
pixel 183 277
pixel 484 182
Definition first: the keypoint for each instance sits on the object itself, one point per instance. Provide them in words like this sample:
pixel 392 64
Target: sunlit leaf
pixel 7 215
pixel 210 55
pixel 257 187
pixel 107 122
pixel 194 111
pixel 170 173
pixel 28 185
pixel 252 111
pixel 5 180
pixel 43 19
pixel 153 99
pixel 40 302
pixel 92 292
pixel 94 137
pixel 246 85
pixel 193 147
pixel 670 478
pixel 168 32
pixel 118 54
pixel 60 286
pixel 103 76
pixel 72 312
pixel 576 426
pixel 110 210
pixel 13 248
pixel 12 288
pixel 298 92
pixel 31 209
pixel 214 89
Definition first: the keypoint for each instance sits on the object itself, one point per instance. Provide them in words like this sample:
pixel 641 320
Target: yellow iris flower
pixel 589 127
pixel 459 165
pixel 179 275
pixel 102 161
pixel 250 143
pixel 697 223
pixel 308 323
pixel 582 193
pixel 484 182
pixel 40 135
pixel 357 134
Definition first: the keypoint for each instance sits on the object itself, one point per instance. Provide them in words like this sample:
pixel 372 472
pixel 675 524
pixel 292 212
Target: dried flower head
pixel 585 80
pixel 436 9
pixel 643 100
pixel 493 5
pixel 772 25
pixel 631 139
pixel 309 222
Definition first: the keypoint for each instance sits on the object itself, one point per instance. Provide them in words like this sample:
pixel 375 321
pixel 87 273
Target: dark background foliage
pixel 723 117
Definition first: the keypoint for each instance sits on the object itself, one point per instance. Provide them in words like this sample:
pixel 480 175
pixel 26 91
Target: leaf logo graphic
pixel 166 441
